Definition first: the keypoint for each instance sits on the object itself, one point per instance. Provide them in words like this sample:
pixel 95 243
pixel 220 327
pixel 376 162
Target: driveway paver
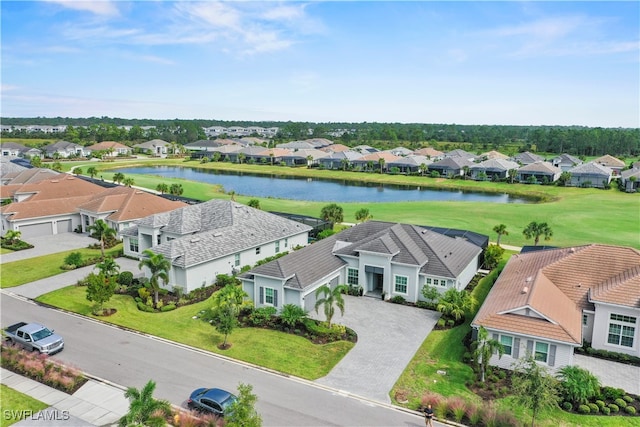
pixel 45 245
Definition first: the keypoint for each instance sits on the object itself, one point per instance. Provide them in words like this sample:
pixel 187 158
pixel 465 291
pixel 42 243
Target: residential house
pixel 12 149
pixel 451 167
pixel 614 163
pixel 430 153
pixel 216 237
pixel 630 180
pixel 304 156
pixel 384 259
pixel 155 147
pixel 365 149
pixel 411 163
pixel 64 149
pixel 547 303
pixel 339 159
pixel 400 151
pixel 538 173
pixel 374 161
pixel 460 153
pixel 527 158
pixel 566 162
pixel 491 155
pixel 110 149
pixel 492 169
pixel 590 175
pixel 202 145
pixel 334 148
pixel 12 178
pixel 296 145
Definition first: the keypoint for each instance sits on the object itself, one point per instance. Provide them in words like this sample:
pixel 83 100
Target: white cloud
pixel 100 7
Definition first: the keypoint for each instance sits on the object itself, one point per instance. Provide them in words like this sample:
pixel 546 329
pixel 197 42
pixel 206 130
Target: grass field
pixel 14 402
pixel 577 216
pixel 287 353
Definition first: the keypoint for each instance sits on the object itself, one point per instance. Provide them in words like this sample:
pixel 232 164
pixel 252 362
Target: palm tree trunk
pixel 155 296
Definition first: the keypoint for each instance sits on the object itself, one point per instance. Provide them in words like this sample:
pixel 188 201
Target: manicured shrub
pixel 600 404
pixel 144 293
pixel 584 409
pixel 451 323
pixel 611 393
pixel 261 316
pixel 627 398
pixel 144 307
pixel 594 408
pixel 168 307
pixel 398 299
pixel 630 410
pixel 441 323
pixel 74 258
pixel 125 278
pixel 621 403
pixel 567 406
pixel 605 410
pixel 613 407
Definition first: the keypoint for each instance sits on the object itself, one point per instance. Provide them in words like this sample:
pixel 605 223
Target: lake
pixel 318 189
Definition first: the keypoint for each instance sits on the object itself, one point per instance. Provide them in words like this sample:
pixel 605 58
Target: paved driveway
pixel 45 245
pixel 388 337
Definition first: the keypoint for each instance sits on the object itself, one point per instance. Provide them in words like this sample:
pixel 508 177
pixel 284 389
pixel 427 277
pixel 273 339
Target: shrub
pixel 502 374
pixel 74 258
pixel 168 307
pixel 506 418
pixel 473 414
pixel 583 409
pixel 261 316
pixel 620 402
pixel 144 307
pixel 630 410
pixel 489 415
pixel 67 267
pixel 125 278
pixel 441 323
pixel 457 407
pixel 627 398
pixel 605 410
pixel 611 393
pixel 593 407
pixel 144 293
pixel 292 314
pixel 600 404
pixel 613 407
pixel 567 406
pixel 441 410
pixel 451 323
pixel 430 398
pixel 398 299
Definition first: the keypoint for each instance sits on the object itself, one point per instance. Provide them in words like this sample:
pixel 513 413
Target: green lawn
pixel 14 402
pixel 5 251
pixel 577 216
pixel 281 352
pixel 25 271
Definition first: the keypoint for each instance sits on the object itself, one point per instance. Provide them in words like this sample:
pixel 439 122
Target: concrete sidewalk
pixel 97 403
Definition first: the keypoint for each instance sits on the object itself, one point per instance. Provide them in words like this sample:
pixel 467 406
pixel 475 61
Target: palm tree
pixel 92 171
pixel 309 160
pixel 241 157
pixel 456 303
pixel 118 177
pixel 129 182
pixel 484 349
pixel 108 267
pixel 501 229
pixel 100 230
pixel 144 410
pixel 162 188
pixel 77 171
pixel 344 162
pixel 369 165
pixel 330 297
pixel 512 174
pixel 537 229
pixel 159 268
pixel 12 236
pixel 423 168
pixel 381 162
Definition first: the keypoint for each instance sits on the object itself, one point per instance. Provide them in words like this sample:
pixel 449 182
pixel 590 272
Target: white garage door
pixel 64 226
pixel 35 230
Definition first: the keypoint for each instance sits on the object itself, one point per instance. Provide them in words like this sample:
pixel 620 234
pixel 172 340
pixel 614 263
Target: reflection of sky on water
pixel 318 189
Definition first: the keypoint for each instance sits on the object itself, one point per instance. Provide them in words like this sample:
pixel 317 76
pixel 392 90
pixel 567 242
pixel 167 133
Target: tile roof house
pixel 450 167
pixel 155 147
pixel 527 158
pixel 373 160
pixel 383 258
pixel 335 148
pixel 304 156
pixel 12 149
pixel 590 175
pixel 64 149
pixel 493 154
pixel 212 238
pixel 548 302
pixel 13 179
pixel 566 162
pixel 492 169
pixel 431 153
pixel 110 149
pixel 611 162
pixel 460 153
pixel 410 164
pixel 538 172
pixel 202 145
pixel 339 159
pixel 630 180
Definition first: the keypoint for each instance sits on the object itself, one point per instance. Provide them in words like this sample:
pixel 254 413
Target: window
pixel 258 250
pixel 133 244
pixel 584 320
pixel 268 296
pixel 159 239
pixel 428 282
pixel 401 284
pixel 621 333
pixel 286 242
pixel 352 276
pixel 236 260
pixel 277 246
pixel 443 283
pixel 507 344
pixel 542 352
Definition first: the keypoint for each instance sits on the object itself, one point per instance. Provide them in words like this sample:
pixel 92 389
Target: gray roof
pixel 567 158
pixel 540 167
pixel 496 164
pixel 452 163
pixel 626 174
pixel 218 228
pixel 153 143
pixel 339 155
pixel 459 153
pixel 434 253
pixel 591 168
pixel 202 143
pixel 527 157
pixel 61 145
pixel 297 145
pixel 411 160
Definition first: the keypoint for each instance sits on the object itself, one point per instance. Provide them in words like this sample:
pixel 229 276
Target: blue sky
pixel 518 63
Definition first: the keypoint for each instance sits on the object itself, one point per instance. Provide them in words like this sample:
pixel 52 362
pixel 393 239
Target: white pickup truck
pixel 34 337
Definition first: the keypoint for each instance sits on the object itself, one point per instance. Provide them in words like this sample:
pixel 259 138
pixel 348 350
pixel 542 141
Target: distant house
pixel 430 153
pixel 155 147
pixel 64 149
pixel 297 145
pixel 527 158
pixel 460 153
pixel 339 159
pixel 492 169
pixel 547 303
pixel 590 175
pixel 202 145
pixel 538 172
pixel 384 259
pixel 372 161
pixel 611 162
pixel 212 238
pixel 365 149
pixel 400 151
pixel 12 179
pixel 12 149
pixel 110 149
pixel 566 162
pixel 491 155
pixel 333 148
pixel 411 163
pixel 304 157
pixel 630 180
pixel 451 167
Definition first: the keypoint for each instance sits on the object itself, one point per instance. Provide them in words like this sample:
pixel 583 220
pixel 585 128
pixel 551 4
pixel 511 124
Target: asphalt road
pixel 131 359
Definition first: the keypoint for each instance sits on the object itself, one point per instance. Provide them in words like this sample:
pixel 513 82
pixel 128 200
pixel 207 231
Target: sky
pixel 484 63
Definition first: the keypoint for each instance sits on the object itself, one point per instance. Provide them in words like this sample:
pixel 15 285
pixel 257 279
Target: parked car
pixel 34 337
pixel 211 400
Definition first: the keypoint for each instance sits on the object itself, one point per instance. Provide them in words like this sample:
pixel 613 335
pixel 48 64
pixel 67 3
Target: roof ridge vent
pixel 194 239
pixel 525 290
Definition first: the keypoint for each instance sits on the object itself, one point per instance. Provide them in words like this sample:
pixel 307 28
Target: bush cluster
pixel 467 412
pixel 609 355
